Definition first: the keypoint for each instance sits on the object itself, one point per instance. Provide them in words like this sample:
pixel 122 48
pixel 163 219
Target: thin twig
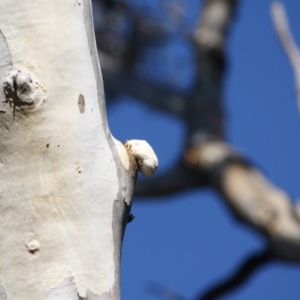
pixel 175 180
pixel 252 264
pixel 288 43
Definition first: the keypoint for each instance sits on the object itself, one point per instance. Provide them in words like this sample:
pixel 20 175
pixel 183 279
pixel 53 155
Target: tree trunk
pixel 66 183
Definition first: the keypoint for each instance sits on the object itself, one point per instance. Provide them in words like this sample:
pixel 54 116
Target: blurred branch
pixel 175 180
pixel 127 82
pixel 214 23
pixel 210 37
pixel 207 161
pixel 164 292
pixel 118 66
pixel 251 265
pixel 252 199
pixel 288 43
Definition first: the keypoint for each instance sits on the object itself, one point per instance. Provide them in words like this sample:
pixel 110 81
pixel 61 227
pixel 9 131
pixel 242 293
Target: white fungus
pixel 144 154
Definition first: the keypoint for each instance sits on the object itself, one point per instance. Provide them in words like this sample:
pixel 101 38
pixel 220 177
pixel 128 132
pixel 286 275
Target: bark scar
pixel 20 89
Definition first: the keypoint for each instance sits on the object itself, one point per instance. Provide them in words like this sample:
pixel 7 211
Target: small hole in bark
pixel 78 169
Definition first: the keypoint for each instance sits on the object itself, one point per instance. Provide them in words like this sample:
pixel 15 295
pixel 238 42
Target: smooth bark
pixel 66 184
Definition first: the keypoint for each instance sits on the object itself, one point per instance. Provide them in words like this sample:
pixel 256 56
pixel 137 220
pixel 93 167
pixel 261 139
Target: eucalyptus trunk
pixel 66 183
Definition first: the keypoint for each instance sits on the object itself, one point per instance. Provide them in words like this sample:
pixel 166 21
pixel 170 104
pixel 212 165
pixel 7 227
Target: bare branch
pixel 251 265
pixel 205 112
pixel 127 82
pixel 207 160
pixel 173 181
pixel 250 196
pixel 288 43
pixel 214 23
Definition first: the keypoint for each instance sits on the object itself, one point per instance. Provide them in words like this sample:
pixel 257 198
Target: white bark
pixel 65 195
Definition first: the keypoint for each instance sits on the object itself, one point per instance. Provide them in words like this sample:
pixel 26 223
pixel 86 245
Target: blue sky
pixel 189 241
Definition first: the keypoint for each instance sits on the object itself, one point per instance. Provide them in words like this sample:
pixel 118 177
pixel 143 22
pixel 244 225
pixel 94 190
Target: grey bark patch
pixel 81 103
pixel 5 65
pixel 6 58
pixel 89 28
pixel 92 296
pixel 3 295
pixel 66 290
